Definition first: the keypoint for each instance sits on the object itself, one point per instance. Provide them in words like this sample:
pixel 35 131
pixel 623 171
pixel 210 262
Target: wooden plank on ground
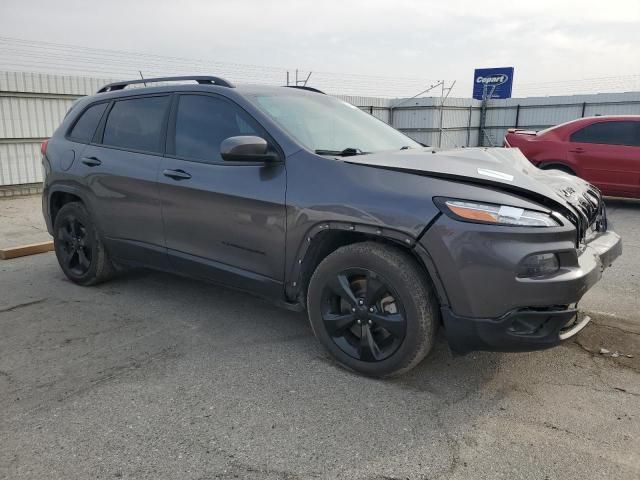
pixel 24 250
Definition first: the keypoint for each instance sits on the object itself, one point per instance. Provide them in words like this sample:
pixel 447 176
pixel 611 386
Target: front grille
pixel 589 213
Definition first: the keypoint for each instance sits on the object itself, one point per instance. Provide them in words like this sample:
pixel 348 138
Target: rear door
pixel 223 220
pixel 608 154
pixel 120 168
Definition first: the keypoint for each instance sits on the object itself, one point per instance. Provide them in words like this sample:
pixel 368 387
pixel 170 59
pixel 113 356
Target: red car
pixel 603 150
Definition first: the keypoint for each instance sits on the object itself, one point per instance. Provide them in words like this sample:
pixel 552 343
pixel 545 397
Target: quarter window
pixel 609 133
pixel 203 122
pixel 86 125
pixel 136 124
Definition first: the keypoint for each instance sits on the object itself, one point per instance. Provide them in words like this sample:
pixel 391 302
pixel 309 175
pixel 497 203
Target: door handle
pixel 176 174
pixel 91 161
pixel 577 150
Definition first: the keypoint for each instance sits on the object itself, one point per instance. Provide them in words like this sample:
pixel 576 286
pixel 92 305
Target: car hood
pixel 505 168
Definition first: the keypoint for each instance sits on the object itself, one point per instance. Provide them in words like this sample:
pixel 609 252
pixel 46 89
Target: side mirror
pixel 246 148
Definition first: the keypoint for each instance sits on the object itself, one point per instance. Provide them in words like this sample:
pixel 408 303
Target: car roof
pixel 601 118
pixel 583 121
pixel 612 117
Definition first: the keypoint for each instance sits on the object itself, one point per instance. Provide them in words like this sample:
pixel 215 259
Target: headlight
pixel 496 214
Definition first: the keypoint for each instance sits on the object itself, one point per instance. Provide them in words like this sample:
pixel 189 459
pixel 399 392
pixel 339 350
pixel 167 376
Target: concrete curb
pixel 20 190
pixel 623 324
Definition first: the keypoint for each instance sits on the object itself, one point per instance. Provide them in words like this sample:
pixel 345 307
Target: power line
pixel 47 57
pixel 60 58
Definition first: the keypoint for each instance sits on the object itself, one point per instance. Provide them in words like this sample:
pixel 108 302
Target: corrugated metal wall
pixel 54 84
pixel 460 125
pixel 33 104
pixel 20 163
pixel 536 113
pixel 420 118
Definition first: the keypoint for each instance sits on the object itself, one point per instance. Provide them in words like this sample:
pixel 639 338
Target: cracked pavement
pixel 156 376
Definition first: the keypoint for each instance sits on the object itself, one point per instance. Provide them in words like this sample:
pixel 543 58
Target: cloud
pixel 545 40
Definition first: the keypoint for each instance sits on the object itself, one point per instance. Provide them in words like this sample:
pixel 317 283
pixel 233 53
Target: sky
pixel 545 40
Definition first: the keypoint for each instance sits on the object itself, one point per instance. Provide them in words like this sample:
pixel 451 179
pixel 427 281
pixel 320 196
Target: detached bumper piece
pixel 607 247
pixel 518 331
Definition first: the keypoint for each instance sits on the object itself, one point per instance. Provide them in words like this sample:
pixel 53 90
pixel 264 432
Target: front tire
pixel 79 249
pixel 371 306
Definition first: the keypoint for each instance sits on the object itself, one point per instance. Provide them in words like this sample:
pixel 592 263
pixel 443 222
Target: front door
pixel 223 221
pixel 608 153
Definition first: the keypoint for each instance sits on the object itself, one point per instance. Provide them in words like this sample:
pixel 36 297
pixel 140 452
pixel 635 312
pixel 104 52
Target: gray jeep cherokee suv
pixel 299 197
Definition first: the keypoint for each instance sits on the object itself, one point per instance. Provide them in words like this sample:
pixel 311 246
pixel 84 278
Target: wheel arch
pixel 325 238
pixel 59 196
pixel 559 165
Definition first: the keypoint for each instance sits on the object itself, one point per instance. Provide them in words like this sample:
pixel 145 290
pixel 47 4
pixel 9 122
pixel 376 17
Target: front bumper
pixel 489 308
pixel 517 331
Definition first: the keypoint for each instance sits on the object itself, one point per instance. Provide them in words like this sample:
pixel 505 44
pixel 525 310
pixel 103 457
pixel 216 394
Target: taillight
pixel 43 147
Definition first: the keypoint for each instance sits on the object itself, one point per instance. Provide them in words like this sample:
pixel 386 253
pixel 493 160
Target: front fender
pixel 306 255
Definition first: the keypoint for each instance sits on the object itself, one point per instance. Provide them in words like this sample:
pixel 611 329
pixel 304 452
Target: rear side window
pixel 203 122
pixel 136 124
pixel 609 133
pixel 86 125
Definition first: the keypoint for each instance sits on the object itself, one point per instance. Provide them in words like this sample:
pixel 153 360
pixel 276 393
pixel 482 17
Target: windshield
pixel 328 125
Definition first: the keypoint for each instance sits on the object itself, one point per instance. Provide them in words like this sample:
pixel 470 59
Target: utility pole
pixel 443 97
pixel 299 82
pixel 486 95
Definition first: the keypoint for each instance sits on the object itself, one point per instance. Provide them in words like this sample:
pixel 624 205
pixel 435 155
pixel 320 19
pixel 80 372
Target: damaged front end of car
pixel 513 272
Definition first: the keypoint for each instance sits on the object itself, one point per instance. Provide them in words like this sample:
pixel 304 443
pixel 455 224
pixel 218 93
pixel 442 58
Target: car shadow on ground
pixel 252 321
pixel 620 202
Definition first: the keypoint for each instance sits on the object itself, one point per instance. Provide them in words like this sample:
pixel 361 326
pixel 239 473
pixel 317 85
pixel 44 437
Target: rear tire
pixel 78 246
pixel 371 306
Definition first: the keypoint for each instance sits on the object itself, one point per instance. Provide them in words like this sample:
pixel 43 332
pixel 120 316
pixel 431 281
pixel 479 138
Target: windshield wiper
pixel 347 152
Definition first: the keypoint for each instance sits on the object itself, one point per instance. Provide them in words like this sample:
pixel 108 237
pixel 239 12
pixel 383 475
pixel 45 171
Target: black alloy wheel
pixel 75 246
pixel 79 248
pixel 371 306
pixel 363 315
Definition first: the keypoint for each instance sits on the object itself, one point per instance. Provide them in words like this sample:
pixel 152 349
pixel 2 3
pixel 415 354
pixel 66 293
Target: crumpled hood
pixel 506 168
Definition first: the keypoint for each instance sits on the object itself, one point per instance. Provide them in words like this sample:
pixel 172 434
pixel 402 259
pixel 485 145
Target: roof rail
pixel 206 80
pixel 301 87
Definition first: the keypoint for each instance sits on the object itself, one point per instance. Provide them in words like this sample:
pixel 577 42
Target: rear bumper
pixel 46 210
pixel 536 328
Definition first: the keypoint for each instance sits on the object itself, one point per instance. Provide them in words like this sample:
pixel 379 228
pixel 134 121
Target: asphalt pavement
pixel 153 376
pixel 617 295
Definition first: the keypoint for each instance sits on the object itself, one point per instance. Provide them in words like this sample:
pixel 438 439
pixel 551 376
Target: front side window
pixel 86 125
pixel 609 133
pixel 323 123
pixel 136 124
pixel 203 122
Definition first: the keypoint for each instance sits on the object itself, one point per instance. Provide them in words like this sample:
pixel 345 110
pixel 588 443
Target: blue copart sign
pixel 492 83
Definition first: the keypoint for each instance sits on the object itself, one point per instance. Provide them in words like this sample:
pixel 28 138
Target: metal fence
pixel 455 122
pixel 33 104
